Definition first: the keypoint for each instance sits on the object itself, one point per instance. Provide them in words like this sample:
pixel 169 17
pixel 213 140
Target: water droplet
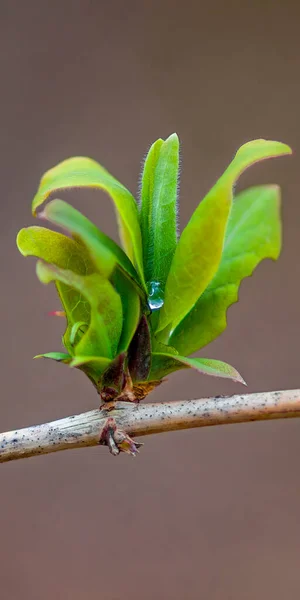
pixel 155 295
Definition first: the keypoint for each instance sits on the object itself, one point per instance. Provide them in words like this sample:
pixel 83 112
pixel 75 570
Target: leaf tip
pixel 286 148
pixel 269 148
pixel 241 380
pixel 173 136
pixel 237 378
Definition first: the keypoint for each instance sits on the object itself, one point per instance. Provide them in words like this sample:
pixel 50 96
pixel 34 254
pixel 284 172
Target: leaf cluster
pixel 136 312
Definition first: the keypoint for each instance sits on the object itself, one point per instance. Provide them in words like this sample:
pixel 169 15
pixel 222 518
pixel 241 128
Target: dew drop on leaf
pixel 155 295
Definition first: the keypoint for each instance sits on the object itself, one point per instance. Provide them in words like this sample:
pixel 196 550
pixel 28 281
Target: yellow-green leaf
pixel 58 356
pixel 87 173
pixel 131 308
pixel 163 364
pixel 98 363
pixel 199 250
pixel 96 298
pixel 253 234
pixel 65 253
pixel 55 248
pixel 103 251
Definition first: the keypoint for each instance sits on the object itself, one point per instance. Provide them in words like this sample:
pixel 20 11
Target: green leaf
pixel 131 308
pixel 163 364
pixel 161 348
pixel 92 366
pixel 98 301
pixel 146 196
pixel 87 173
pixel 158 208
pixel 58 356
pixel 64 253
pixel 199 249
pixel 104 252
pixel 98 363
pixel 55 248
pixel 253 233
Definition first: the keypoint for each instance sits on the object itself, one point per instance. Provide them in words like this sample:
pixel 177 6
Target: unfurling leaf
pixel 199 250
pixel 78 327
pixel 253 233
pixel 64 253
pixel 98 305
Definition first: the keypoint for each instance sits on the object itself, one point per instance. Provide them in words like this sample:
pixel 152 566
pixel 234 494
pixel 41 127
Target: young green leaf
pixel 104 252
pixel 64 253
pixel 96 296
pixel 99 363
pixel 162 364
pixel 158 208
pixel 199 249
pixel 92 366
pixel 58 356
pixel 146 196
pixel 253 233
pixel 55 248
pixel 131 308
pixel 85 172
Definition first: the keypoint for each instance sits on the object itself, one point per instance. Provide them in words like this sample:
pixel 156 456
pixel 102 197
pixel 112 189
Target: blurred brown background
pixel 212 513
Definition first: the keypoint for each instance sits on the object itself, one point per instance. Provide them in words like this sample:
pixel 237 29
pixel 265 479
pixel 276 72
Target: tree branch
pixel 88 428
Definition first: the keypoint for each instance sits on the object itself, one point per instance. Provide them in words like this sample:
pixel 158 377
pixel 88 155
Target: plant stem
pixel 144 419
